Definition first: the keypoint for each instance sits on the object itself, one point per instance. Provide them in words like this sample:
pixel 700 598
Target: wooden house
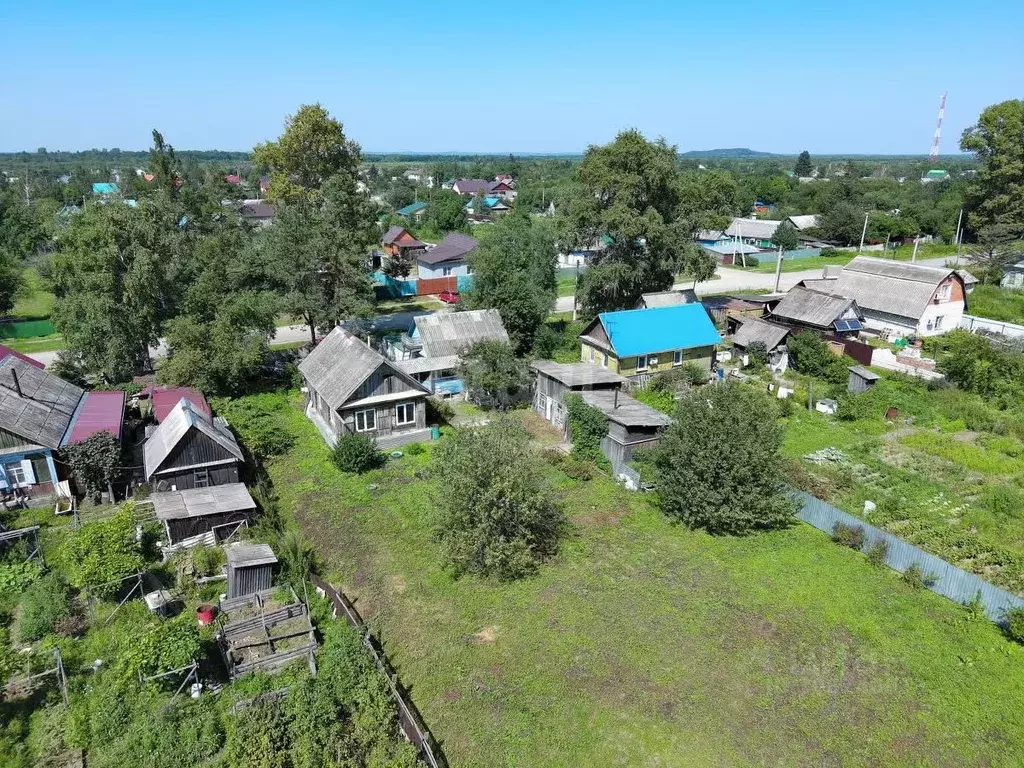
pixel 825 313
pixel 399 241
pixel 352 388
pixel 190 450
pixel 556 380
pixel 639 342
pixel 218 511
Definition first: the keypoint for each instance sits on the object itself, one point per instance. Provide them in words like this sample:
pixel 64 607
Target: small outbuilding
pixel 250 568
pixel 861 379
pixel 631 424
pixel 555 380
pixel 191 512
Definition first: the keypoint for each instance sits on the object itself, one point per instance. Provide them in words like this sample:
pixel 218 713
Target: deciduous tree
pixel 786 237
pixel 996 196
pixel 492 374
pixel 95 462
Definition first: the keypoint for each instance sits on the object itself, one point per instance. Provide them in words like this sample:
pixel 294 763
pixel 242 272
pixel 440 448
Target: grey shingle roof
pixel 625 410
pixel 577 374
pixel 42 412
pixel 178 423
pixel 449 333
pixel 808 307
pixel 455 247
pixel 761 229
pixel 339 364
pixel 200 502
pixel 669 298
pixel 756 330
pixel 896 288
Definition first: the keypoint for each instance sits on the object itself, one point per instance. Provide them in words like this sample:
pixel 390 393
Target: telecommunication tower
pixel 934 154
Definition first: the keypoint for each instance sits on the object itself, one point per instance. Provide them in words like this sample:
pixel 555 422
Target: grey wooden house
pixel 352 388
pixel 190 450
pixel 214 512
pixel 555 380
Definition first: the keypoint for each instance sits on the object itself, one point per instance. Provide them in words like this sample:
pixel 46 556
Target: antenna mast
pixel 934 154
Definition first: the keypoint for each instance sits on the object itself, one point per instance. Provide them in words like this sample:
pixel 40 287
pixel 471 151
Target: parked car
pixel 449 297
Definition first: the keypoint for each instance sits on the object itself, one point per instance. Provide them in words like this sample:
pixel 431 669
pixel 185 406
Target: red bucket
pixel 204 613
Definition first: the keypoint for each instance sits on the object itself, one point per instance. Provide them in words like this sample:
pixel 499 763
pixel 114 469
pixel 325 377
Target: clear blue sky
pixel 526 76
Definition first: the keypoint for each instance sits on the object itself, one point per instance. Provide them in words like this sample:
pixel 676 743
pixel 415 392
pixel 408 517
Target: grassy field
pixel 947 475
pixel 642 643
pixel 766 261
pixel 997 303
pixel 33 302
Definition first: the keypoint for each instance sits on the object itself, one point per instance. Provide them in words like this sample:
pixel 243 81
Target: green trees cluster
pixel 493 376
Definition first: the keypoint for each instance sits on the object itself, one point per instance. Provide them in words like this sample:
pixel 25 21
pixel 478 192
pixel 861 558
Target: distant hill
pixel 737 153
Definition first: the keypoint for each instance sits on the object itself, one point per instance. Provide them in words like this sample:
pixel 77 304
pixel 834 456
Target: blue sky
pixel 507 77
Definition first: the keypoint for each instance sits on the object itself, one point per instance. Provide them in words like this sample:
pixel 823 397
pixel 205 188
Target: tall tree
pixel 996 196
pixel 786 237
pixel 312 148
pixel 803 167
pixel 842 223
pixel 630 191
pixel 446 211
pixel 997 248
pixel 494 377
pixel 514 272
pixel 719 463
pixel 164 165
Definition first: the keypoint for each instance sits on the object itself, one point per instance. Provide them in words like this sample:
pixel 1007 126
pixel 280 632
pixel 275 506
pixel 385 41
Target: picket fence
pixel 945 579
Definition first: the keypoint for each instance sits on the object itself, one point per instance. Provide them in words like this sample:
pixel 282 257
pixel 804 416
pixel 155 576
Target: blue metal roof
pixel 411 208
pixel 104 188
pixel 645 331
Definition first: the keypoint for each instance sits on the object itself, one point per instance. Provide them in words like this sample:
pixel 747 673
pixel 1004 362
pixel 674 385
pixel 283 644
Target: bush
pixel 915 577
pixel 809 354
pixel 356 453
pixel 1015 624
pixel 207 560
pixel 439 410
pixel 587 425
pixel 750 260
pixel 45 603
pixel 851 536
pixel 757 353
pixel 877 552
pixel 693 374
pixel 17 574
pixel 259 423
pixel 579 469
pixel 657 397
pixel 855 407
pixel 554 457
pixel 415 449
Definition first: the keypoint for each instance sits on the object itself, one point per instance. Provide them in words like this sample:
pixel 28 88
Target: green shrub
pixel 1015 624
pixel 855 407
pixel 17 574
pixel 877 552
pixel 46 602
pixel 657 397
pixel 259 423
pixel 554 457
pixel 915 577
pixel 168 644
pixel 439 410
pixel 103 552
pixel 415 449
pixel 208 560
pixel 851 536
pixel 694 374
pixel 356 453
pixel 757 354
pixel 587 425
pixel 579 469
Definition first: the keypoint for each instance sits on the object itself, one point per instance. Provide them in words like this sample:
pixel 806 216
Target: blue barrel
pixel 435 433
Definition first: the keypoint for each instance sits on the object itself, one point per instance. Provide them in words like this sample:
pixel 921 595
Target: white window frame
pixel 643 367
pixel 446 271
pixel 398 414
pixel 677 357
pixel 938 321
pixel 368 425
pixel 15 473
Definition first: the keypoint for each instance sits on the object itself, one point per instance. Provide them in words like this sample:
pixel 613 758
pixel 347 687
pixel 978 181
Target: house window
pixel 405 413
pixel 591 353
pixel 641 362
pixel 366 421
pixel 202 478
pixel 604 359
pixel 15 474
pixel 944 292
pixel 938 321
pixel 40 468
pixel 677 357
pixel 446 271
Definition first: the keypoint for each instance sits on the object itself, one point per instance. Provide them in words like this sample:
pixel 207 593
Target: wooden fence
pixel 408 717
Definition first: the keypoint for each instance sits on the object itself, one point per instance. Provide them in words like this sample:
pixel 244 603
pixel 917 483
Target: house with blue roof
pixel 639 342
pixel 104 188
pixel 415 210
pixel 491 206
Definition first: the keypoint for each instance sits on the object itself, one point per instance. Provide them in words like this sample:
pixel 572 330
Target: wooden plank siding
pixel 383 381
pixel 183 479
pixel 385 414
pixel 626 366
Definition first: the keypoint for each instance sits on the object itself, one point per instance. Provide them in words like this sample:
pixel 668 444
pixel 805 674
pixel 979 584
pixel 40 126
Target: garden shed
pixel 250 568
pixel 191 512
pixel 861 379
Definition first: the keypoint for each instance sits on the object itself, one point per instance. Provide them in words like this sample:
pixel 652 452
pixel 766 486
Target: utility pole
pixel 778 270
pixel 913 256
pixel 863 233
pixel 743 255
pixel 959 235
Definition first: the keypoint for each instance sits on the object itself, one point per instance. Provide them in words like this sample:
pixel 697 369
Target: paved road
pixel 729 280
pixel 732 280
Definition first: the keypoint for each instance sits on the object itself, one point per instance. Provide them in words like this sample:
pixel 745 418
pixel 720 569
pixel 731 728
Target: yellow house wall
pixel 627 365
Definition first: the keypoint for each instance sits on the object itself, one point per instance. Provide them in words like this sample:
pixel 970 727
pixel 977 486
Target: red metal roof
pixel 165 398
pixel 97 412
pixel 5 351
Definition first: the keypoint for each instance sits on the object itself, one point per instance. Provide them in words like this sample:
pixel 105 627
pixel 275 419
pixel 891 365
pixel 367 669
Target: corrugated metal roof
pixel 625 410
pixel 201 502
pixel 808 307
pixel 759 229
pixel 896 288
pixel 454 247
pixel 864 373
pixel 756 330
pixel 166 398
pixel 645 331
pixel 578 374
pixel 807 221
pixel 669 298
pixel 5 351
pixel 96 412
pixel 340 363
pixel 42 412
pixel 411 208
pixel 182 419
pixel 105 188
pixel 728 248
pixel 449 333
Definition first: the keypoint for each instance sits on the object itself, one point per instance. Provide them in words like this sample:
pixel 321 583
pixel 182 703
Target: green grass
pixel 766 261
pixel 997 303
pixel 642 643
pixel 51 343
pixel 33 302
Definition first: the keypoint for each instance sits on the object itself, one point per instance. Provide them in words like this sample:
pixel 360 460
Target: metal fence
pixel 975 324
pixel 945 579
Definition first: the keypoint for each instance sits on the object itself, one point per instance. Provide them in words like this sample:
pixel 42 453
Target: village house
pixel 397 241
pixel 804 309
pixel 257 212
pixel 189 449
pixel 667 299
pixel 353 389
pixel 585 255
pixel 490 208
pixel 1013 276
pixel 727 311
pixel 448 259
pixel 639 342
pixel 414 211
pixel 898 298
pixel 419 176
pixel 41 414
pixel 163 399
pixel 555 380
pixel 429 351
pixel 755 232
pixel 500 187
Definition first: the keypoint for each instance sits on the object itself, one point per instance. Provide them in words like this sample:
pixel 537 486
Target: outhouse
pixel 861 379
pixel 250 568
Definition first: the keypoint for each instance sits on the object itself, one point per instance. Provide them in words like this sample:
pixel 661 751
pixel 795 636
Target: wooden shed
pixel 861 379
pixel 555 380
pixel 190 450
pixel 631 424
pixel 250 568
pixel 192 512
